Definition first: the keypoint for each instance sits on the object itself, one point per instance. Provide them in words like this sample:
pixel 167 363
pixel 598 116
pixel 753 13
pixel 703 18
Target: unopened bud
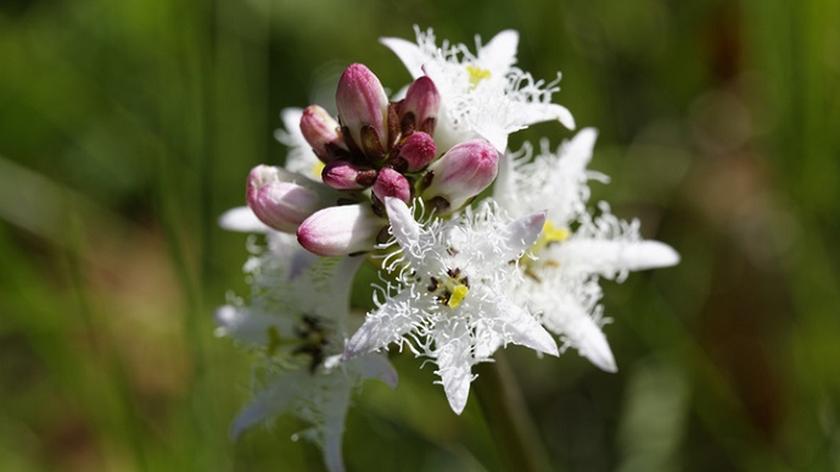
pixel 280 204
pixel 418 150
pixel 342 175
pixel 419 109
pixel 462 173
pixel 340 230
pixel 321 132
pixel 362 107
pixel 390 183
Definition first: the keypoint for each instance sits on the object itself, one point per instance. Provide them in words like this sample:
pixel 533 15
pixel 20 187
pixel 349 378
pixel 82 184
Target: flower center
pixel 450 290
pixel 310 340
pixel 477 74
pixel 550 234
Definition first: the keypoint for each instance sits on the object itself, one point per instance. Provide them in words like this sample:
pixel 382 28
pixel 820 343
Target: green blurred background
pixel 127 126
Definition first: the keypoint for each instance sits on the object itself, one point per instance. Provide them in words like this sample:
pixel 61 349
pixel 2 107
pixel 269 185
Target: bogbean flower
pixel 575 248
pixel 482 94
pixel 295 321
pixel 448 302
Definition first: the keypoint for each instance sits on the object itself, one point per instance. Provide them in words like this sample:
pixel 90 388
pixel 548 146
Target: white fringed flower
pixel 296 321
pixel 482 94
pixel 575 248
pixel 449 301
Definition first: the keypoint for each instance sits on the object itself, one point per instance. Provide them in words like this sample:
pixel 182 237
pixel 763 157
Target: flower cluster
pixel 394 182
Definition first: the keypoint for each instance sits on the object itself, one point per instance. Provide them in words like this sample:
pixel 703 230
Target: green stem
pixel 505 411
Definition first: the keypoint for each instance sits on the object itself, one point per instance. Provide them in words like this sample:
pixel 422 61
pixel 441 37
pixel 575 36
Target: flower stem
pixel 504 409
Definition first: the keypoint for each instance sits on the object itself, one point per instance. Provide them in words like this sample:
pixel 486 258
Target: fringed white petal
pixel 270 402
pixel 493 132
pixel 611 257
pixel 454 359
pixel 529 113
pixel 568 317
pixel 396 317
pixel 523 329
pixel 242 219
pixel 409 53
pixel 404 227
pixel 335 404
pixel 244 325
pixel 592 344
pixel 499 54
pixel 576 153
pixel 522 233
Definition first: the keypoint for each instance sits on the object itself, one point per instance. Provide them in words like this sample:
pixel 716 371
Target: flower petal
pixel 336 403
pixel 529 113
pixel 580 330
pixel 396 317
pixel 272 401
pixel 522 328
pixel 493 132
pixel 291 121
pixel 243 324
pixel 409 53
pixel 523 233
pixel 611 257
pixel 242 219
pixel 577 152
pixel 404 227
pixel 455 360
pixel 499 54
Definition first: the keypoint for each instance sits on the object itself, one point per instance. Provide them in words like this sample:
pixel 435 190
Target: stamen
pixel 477 74
pixel 459 292
pixel 550 234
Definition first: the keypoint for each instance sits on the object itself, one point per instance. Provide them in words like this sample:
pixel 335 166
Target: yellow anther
pixel 553 234
pixel 477 74
pixel 459 292
pixel 550 234
pixel 317 168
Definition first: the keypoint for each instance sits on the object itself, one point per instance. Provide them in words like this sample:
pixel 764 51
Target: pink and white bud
pixel 321 131
pixel 418 150
pixel 280 204
pixel 342 175
pixel 419 109
pixel 390 183
pixel 363 108
pixel 340 230
pixel 462 173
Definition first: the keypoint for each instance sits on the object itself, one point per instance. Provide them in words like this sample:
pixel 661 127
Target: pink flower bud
pixel 420 108
pixel 321 132
pixel 342 175
pixel 363 107
pixel 418 150
pixel 340 230
pixel 280 204
pixel 390 183
pixel 462 173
